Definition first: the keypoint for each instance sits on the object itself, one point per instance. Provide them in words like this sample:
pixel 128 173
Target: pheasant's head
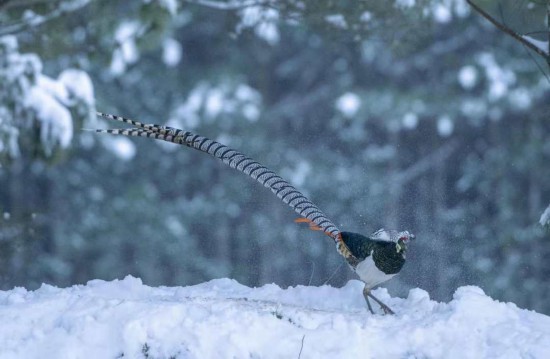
pixel 403 239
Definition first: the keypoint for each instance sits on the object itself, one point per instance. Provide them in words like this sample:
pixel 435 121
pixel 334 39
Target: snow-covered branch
pixel 545 218
pixel 525 40
pixel 32 100
pixel 12 4
pixel 261 16
pixel 230 5
pixel 31 19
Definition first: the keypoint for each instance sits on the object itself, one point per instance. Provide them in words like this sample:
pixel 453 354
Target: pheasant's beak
pixel 406 237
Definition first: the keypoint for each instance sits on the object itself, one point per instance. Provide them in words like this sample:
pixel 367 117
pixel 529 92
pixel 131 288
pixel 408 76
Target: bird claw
pixel 385 308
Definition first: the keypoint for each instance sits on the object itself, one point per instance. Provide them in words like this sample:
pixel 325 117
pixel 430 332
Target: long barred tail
pixel 281 188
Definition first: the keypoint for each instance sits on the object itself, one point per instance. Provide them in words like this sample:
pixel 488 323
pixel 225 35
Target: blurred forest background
pixel 417 115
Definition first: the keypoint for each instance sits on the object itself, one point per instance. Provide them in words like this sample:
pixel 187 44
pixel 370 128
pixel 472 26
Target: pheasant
pixel 375 259
pixel 380 257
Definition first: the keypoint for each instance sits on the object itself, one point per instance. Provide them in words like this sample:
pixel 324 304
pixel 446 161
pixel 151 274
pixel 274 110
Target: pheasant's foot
pixel 367 294
pixel 384 307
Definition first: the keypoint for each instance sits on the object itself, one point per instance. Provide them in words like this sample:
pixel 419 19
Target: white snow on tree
pixel 30 18
pixel 262 20
pixel 208 102
pixel 37 110
pixel 545 218
pixel 127 52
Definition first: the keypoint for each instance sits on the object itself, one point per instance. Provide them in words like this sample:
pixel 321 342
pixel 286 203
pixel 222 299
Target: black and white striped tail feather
pixel 280 187
pixel 151 127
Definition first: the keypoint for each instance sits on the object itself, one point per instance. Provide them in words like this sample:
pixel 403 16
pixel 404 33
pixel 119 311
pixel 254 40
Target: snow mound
pixel 224 319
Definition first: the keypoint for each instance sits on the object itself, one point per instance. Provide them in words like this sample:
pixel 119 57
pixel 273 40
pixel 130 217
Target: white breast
pixel 370 274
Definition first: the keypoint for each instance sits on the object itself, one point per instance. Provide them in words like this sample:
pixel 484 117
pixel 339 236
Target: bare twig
pixel 536 63
pixel 312 272
pixel 301 347
pixel 510 32
pixel 540 32
pixel 503 22
pixel 333 273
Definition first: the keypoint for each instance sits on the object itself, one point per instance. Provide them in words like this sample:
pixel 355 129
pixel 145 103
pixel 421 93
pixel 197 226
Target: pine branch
pixel 9 4
pixel 230 5
pixel 511 32
pixel 62 9
pixel 301 347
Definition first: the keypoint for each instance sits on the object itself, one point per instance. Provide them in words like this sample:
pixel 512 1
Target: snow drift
pixel 224 319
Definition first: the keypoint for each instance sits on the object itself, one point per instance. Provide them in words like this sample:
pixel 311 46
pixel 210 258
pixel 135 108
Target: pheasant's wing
pixel 281 188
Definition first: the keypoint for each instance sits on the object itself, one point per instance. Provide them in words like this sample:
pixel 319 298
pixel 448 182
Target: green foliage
pixel 35 110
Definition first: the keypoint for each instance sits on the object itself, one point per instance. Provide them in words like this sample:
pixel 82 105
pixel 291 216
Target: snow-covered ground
pixel 224 319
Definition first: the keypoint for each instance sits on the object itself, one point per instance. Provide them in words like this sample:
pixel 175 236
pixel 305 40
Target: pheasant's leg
pixel 366 293
pixel 384 307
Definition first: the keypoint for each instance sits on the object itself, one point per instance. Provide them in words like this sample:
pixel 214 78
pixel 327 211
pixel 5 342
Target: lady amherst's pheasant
pixel 375 259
